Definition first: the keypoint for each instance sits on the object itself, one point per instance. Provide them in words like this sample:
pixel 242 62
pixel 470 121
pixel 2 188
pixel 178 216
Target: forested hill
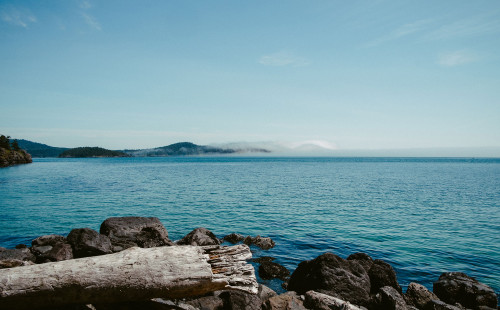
pixel 39 149
pixel 180 149
pixel 11 153
pixel 91 152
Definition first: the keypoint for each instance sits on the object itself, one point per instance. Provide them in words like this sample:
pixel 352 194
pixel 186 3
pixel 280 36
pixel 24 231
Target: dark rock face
pixel 388 298
pixel 126 232
pixel 207 303
pixel 236 300
pixel 418 296
pixel 264 243
pixel 287 301
pixel 199 236
pixel 271 270
pixel 382 274
pixel 457 287
pixel 234 238
pixel 363 259
pixel 51 248
pixel 12 157
pixel 330 274
pixel 439 305
pixel 88 242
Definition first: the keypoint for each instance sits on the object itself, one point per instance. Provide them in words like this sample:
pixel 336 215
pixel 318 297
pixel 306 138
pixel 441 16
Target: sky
pixel 346 75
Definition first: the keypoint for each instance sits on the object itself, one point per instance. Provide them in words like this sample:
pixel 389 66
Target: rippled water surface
pixel 424 216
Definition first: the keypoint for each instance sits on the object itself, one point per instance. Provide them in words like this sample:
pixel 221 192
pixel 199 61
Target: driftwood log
pixel 133 274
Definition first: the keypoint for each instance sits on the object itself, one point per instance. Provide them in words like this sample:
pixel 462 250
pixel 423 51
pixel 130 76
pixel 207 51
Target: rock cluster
pixel 325 282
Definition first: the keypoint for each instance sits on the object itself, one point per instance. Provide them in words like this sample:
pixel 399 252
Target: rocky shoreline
pixel 326 282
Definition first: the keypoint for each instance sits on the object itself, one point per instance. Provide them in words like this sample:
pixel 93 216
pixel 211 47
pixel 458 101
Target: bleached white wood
pixel 133 274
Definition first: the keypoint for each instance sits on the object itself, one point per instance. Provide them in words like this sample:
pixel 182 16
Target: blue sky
pixel 351 74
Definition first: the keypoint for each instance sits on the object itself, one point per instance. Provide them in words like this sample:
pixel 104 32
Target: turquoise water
pixel 424 216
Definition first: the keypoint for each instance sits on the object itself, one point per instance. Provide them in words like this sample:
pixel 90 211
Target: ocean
pixel 424 216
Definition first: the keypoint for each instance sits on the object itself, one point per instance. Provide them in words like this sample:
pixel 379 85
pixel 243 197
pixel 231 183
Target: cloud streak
pixel 473 26
pixel 282 59
pixel 402 31
pixel 17 17
pixel 92 22
pixel 456 58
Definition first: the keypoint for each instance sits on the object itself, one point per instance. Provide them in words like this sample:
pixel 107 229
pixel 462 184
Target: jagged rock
pixel 234 238
pixel 126 232
pixel 418 296
pixel 457 287
pixel 332 275
pixel 88 242
pixel 235 300
pixel 16 254
pixel 264 243
pixel 382 274
pixel 363 259
pixel 318 301
pixel 388 298
pixel 260 260
pixel 199 236
pixel 286 301
pixel 271 270
pixel 51 248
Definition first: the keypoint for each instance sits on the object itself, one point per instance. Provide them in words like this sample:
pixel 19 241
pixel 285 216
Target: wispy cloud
pixel 401 31
pixel 17 17
pixel 456 58
pixel 472 26
pixel 92 22
pixel 281 59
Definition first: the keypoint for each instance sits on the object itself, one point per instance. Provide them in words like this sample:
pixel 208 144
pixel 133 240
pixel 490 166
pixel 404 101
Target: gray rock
pixel 388 298
pixel 439 305
pixel 48 240
pixel 363 259
pixel 236 300
pixel 264 243
pixel 88 242
pixel 16 254
pixel 286 301
pixel 271 270
pixel 457 287
pixel 234 238
pixel 51 248
pixel 418 296
pixel 332 275
pixel 318 301
pixel 265 293
pixel 382 274
pixel 126 232
pixel 199 236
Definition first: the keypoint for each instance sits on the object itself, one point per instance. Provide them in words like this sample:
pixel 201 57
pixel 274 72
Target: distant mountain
pixel 39 149
pixel 180 149
pixel 91 152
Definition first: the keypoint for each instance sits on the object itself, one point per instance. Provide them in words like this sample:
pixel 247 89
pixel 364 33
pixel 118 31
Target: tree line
pixel 6 144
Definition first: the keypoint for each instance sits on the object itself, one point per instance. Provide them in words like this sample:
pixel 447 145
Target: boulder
pixel 271 270
pixel 457 287
pixel 265 293
pixel 332 275
pixel 88 242
pixel 382 274
pixel 234 238
pixel 363 259
pixel 318 301
pixel 126 232
pixel 199 236
pixel 419 296
pixel 264 243
pixel 236 300
pixel 286 301
pixel 16 254
pixel 388 298
pixel 51 248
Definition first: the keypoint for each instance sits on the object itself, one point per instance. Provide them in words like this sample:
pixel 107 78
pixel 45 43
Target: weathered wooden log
pixel 133 274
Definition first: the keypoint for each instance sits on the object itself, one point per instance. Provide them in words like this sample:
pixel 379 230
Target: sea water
pixel 424 216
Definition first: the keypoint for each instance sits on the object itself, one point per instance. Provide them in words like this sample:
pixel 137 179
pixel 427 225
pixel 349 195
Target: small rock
pixel 318 301
pixel 126 232
pixel 264 243
pixel 286 301
pixel 418 296
pixel 265 293
pixel 388 298
pixel 457 287
pixel 87 242
pixel 382 274
pixel 234 238
pixel 271 270
pixel 199 236
pixel 236 300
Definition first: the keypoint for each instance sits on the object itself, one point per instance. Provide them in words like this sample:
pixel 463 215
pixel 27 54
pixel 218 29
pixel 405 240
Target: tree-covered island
pixel 11 153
